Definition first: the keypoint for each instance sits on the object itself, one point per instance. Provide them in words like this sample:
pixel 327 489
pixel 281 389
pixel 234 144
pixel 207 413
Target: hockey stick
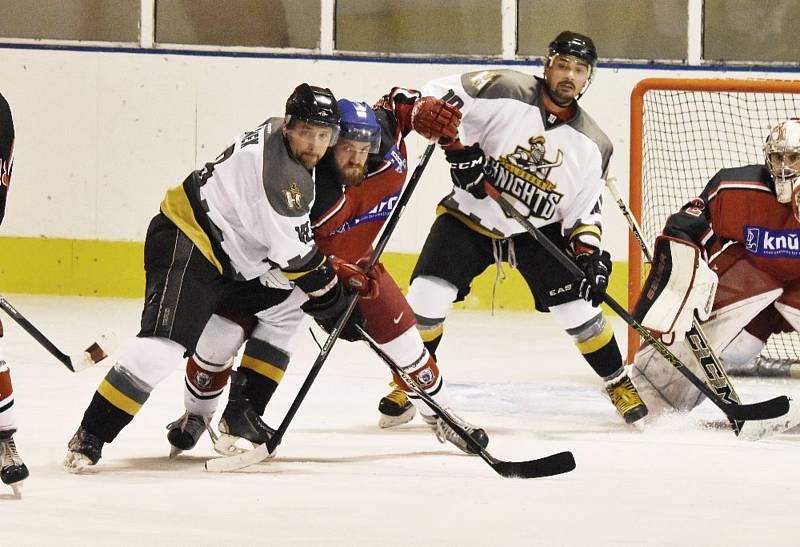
pixel 715 374
pixel 91 355
pixel 238 461
pixel 757 411
pixel 555 464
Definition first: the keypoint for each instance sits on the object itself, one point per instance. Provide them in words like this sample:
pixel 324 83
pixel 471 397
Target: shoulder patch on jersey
pixel 288 185
pixel 501 84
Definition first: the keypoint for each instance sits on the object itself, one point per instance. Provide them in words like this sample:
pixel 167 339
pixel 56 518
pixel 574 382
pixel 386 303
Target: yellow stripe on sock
pixel 593 344
pixel 117 398
pixel 429 335
pixel 264 369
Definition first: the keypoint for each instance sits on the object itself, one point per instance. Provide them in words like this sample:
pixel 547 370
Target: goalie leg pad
pixel 662 386
pixel 788 305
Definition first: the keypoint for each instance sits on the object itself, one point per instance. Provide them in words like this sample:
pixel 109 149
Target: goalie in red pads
pixel 749 219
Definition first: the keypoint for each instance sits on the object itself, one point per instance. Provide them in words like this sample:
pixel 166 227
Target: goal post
pixel 682 132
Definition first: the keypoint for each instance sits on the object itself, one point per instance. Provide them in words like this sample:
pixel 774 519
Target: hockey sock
pixel 425 373
pixel 264 365
pixel 7 412
pixel 431 331
pixel 595 340
pixel 204 383
pixel 117 400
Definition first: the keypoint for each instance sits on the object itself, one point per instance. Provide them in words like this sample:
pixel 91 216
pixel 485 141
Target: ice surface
pixel 340 480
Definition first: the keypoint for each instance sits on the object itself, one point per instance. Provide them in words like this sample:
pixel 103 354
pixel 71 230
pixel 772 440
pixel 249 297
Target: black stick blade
pixel 555 464
pixel 764 410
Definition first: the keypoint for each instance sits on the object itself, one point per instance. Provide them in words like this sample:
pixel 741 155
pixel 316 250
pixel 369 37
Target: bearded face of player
pixel 566 77
pixel 308 142
pixel 350 158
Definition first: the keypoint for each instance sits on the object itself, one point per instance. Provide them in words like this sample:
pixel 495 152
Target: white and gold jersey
pixel 248 211
pixel 551 170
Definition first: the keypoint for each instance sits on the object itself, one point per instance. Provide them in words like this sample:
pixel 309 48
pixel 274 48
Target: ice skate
pixel 240 421
pixel 184 432
pixel 84 451
pixel 625 398
pixel 13 470
pixel 446 433
pixel 395 408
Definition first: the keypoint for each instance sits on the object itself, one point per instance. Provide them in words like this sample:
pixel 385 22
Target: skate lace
pixel 397 397
pixel 194 424
pixel 8 454
pixel 446 433
pixel 624 396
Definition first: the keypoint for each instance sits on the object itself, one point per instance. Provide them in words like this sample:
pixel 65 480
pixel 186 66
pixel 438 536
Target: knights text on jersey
pixel 254 204
pixel 739 204
pixel 552 171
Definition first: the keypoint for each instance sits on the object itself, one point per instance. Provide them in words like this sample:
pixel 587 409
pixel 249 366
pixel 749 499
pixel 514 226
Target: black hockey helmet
pixel 313 104
pixel 572 44
pixel 575 45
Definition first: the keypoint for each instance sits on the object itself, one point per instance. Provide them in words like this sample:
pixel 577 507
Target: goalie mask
pixel 782 155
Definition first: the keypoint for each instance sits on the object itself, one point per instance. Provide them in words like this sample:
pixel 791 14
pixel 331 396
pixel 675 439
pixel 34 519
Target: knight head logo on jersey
pixel 294 197
pixel 525 175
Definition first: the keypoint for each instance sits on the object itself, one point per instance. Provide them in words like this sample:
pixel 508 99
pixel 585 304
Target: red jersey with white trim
pixel 347 220
pixel 739 205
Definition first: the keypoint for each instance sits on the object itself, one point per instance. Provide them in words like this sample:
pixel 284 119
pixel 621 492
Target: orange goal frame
pixel 636 147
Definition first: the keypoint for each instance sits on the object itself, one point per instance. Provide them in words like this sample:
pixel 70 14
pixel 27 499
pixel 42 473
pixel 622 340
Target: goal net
pixel 682 133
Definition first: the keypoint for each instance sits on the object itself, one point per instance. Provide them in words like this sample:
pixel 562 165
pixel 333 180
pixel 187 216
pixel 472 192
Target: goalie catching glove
pixel 680 283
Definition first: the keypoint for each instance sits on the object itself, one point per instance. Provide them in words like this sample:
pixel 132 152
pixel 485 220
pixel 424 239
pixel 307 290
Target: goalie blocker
pixel 679 283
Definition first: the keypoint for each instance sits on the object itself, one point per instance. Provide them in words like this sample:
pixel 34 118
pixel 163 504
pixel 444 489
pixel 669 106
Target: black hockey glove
pixel 467 168
pixel 327 309
pixel 596 265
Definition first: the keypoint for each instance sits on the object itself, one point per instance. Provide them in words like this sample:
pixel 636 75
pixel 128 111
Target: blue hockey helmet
pixel 357 122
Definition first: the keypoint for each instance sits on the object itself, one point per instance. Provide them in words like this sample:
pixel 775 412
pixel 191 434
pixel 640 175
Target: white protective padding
pixel 431 297
pixel 573 314
pixel 220 340
pixel 151 359
pixel 408 352
pixel 790 313
pixel 279 325
pixel 741 350
pixel 691 286
pixel 662 387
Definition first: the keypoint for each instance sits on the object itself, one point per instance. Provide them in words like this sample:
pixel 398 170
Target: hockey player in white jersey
pixel 243 217
pixel 12 469
pixel 527 136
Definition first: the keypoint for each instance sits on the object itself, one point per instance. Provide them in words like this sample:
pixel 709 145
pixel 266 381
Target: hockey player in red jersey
pixel 358 183
pixel 750 216
pixel 12 469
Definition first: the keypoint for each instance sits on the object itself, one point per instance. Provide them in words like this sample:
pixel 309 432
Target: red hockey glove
pixel 435 119
pixel 365 283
